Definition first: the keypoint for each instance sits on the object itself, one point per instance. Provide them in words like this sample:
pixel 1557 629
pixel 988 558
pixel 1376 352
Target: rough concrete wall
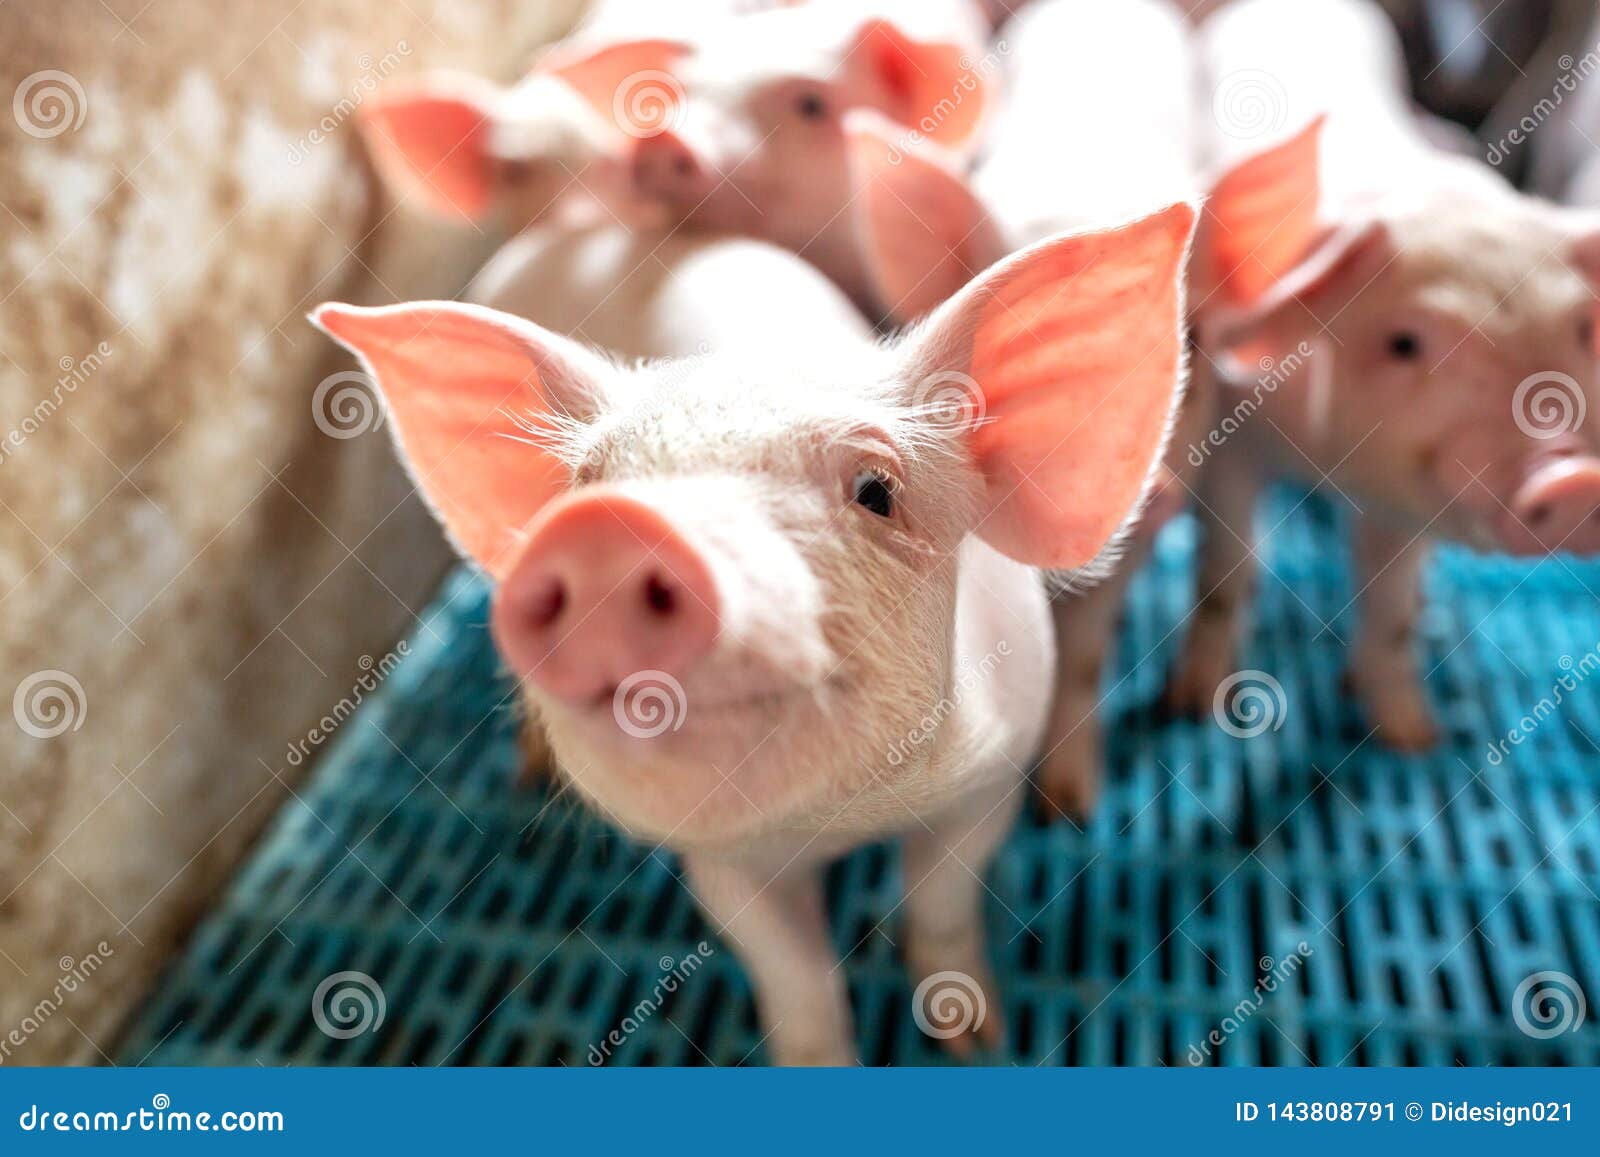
pixel 191 567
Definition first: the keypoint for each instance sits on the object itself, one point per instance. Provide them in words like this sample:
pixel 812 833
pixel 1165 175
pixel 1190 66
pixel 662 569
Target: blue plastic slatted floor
pixel 504 929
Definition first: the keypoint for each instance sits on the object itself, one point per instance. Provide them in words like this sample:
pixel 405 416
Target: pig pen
pixel 1283 891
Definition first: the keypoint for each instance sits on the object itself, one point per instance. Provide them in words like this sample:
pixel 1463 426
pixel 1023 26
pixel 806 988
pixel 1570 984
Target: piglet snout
pixel 665 167
pixel 1557 507
pixel 606 587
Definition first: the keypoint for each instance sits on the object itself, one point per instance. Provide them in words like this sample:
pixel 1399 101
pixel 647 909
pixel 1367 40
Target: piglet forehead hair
pixel 1068 356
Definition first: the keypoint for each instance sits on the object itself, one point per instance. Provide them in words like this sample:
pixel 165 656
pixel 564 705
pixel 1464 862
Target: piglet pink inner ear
pixel 630 84
pixel 461 385
pixel 1352 251
pixel 928 85
pixel 924 233
pixel 1261 218
pixel 430 139
pixel 1075 349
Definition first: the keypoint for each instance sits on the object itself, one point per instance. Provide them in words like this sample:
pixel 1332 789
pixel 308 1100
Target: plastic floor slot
pixel 504 927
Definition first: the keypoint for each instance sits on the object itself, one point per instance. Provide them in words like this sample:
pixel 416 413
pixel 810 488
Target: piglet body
pixel 1430 334
pixel 1056 158
pixel 655 295
pixel 1274 66
pixel 772 602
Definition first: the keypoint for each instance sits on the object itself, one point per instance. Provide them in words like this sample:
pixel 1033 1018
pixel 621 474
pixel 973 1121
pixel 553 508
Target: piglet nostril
pixel 546 605
pixel 660 597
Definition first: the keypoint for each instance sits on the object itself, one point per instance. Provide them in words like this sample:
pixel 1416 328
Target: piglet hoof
pixel 961 1009
pixel 1406 727
pixel 1400 712
pixel 811 1055
pixel 1192 687
pixel 1070 778
pixel 1410 735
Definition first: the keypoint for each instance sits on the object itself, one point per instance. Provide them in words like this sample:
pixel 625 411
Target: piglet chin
pixel 653 712
pixel 697 770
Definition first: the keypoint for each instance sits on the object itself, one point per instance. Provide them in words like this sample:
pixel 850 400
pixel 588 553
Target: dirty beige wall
pixel 194 557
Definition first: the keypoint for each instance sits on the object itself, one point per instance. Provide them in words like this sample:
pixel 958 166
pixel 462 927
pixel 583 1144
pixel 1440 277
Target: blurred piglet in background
pixel 926 230
pixel 468 149
pixel 735 124
pixel 652 294
pixel 801 554
pixel 1431 333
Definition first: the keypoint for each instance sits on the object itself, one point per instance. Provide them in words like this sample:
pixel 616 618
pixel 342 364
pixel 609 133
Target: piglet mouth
pixel 651 704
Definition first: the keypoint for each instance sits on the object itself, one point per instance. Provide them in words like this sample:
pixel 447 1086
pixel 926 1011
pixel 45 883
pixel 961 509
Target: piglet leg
pixel 946 952
pixel 1383 662
pixel 777 926
pixel 1226 504
pixel 1071 773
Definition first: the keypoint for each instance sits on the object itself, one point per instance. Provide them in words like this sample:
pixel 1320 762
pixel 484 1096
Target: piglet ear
pixel 1261 218
pixel 631 84
pixel 924 233
pixel 465 389
pixel 1265 251
pixel 1075 351
pixel 929 85
pixel 1340 255
pixel 430 139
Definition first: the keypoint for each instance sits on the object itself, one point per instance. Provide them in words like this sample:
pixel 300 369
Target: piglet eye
pixel 873 491
pixel 1404 345
pixel 811 106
